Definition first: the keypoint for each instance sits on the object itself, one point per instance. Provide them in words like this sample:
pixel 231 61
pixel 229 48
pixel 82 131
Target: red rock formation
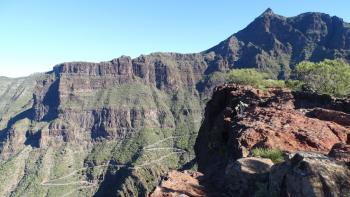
pixel 241 118
pixel 289 129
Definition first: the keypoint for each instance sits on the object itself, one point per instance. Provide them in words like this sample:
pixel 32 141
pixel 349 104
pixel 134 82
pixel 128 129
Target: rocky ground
pixel 180 183
pixel 312 130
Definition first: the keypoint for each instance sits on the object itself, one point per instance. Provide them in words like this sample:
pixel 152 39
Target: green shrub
pixel 275 155
pixel 271 83
pixel 326 77
pixel 254 78
pixel 294 84
pixel 246 77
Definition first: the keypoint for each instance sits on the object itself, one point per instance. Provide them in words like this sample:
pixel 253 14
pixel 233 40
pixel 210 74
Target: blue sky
pixel 37 34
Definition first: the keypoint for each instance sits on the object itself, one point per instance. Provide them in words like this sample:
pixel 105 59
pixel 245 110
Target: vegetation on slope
pixel 326 77
pixel 254 78
pixel 15 97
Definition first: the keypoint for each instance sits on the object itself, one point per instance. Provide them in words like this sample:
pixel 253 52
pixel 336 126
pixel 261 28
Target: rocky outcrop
pixel 241 176
pixel 304 174
pixel 239 119
pixel 180 184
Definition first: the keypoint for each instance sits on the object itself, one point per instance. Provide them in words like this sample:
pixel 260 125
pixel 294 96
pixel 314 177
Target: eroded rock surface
pixel 242 175
pixel 185 184
pixel 241 118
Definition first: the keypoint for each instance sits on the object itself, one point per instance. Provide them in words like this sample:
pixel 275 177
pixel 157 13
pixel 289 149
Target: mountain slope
pixel 275 44
pixel 113 128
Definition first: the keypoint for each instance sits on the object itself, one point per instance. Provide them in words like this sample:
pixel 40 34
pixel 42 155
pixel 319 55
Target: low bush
pixel 275 155
pixel 294 84
pixel 326 77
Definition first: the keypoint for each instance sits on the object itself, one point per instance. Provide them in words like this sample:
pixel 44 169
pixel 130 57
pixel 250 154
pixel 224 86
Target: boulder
pixel 310 174
pixel 341 152
pixel 182 184
pixel 243 176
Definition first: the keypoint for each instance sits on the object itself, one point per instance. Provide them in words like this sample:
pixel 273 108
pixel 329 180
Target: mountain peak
pixel 268 12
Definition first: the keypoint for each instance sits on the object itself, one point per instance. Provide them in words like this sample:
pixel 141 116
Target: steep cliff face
pixel 112 128
pixel 117 97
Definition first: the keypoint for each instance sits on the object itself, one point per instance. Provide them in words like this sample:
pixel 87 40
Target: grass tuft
pixel 275 155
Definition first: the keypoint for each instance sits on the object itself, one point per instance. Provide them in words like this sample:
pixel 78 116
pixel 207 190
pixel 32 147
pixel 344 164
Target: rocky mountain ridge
pixel 275 44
